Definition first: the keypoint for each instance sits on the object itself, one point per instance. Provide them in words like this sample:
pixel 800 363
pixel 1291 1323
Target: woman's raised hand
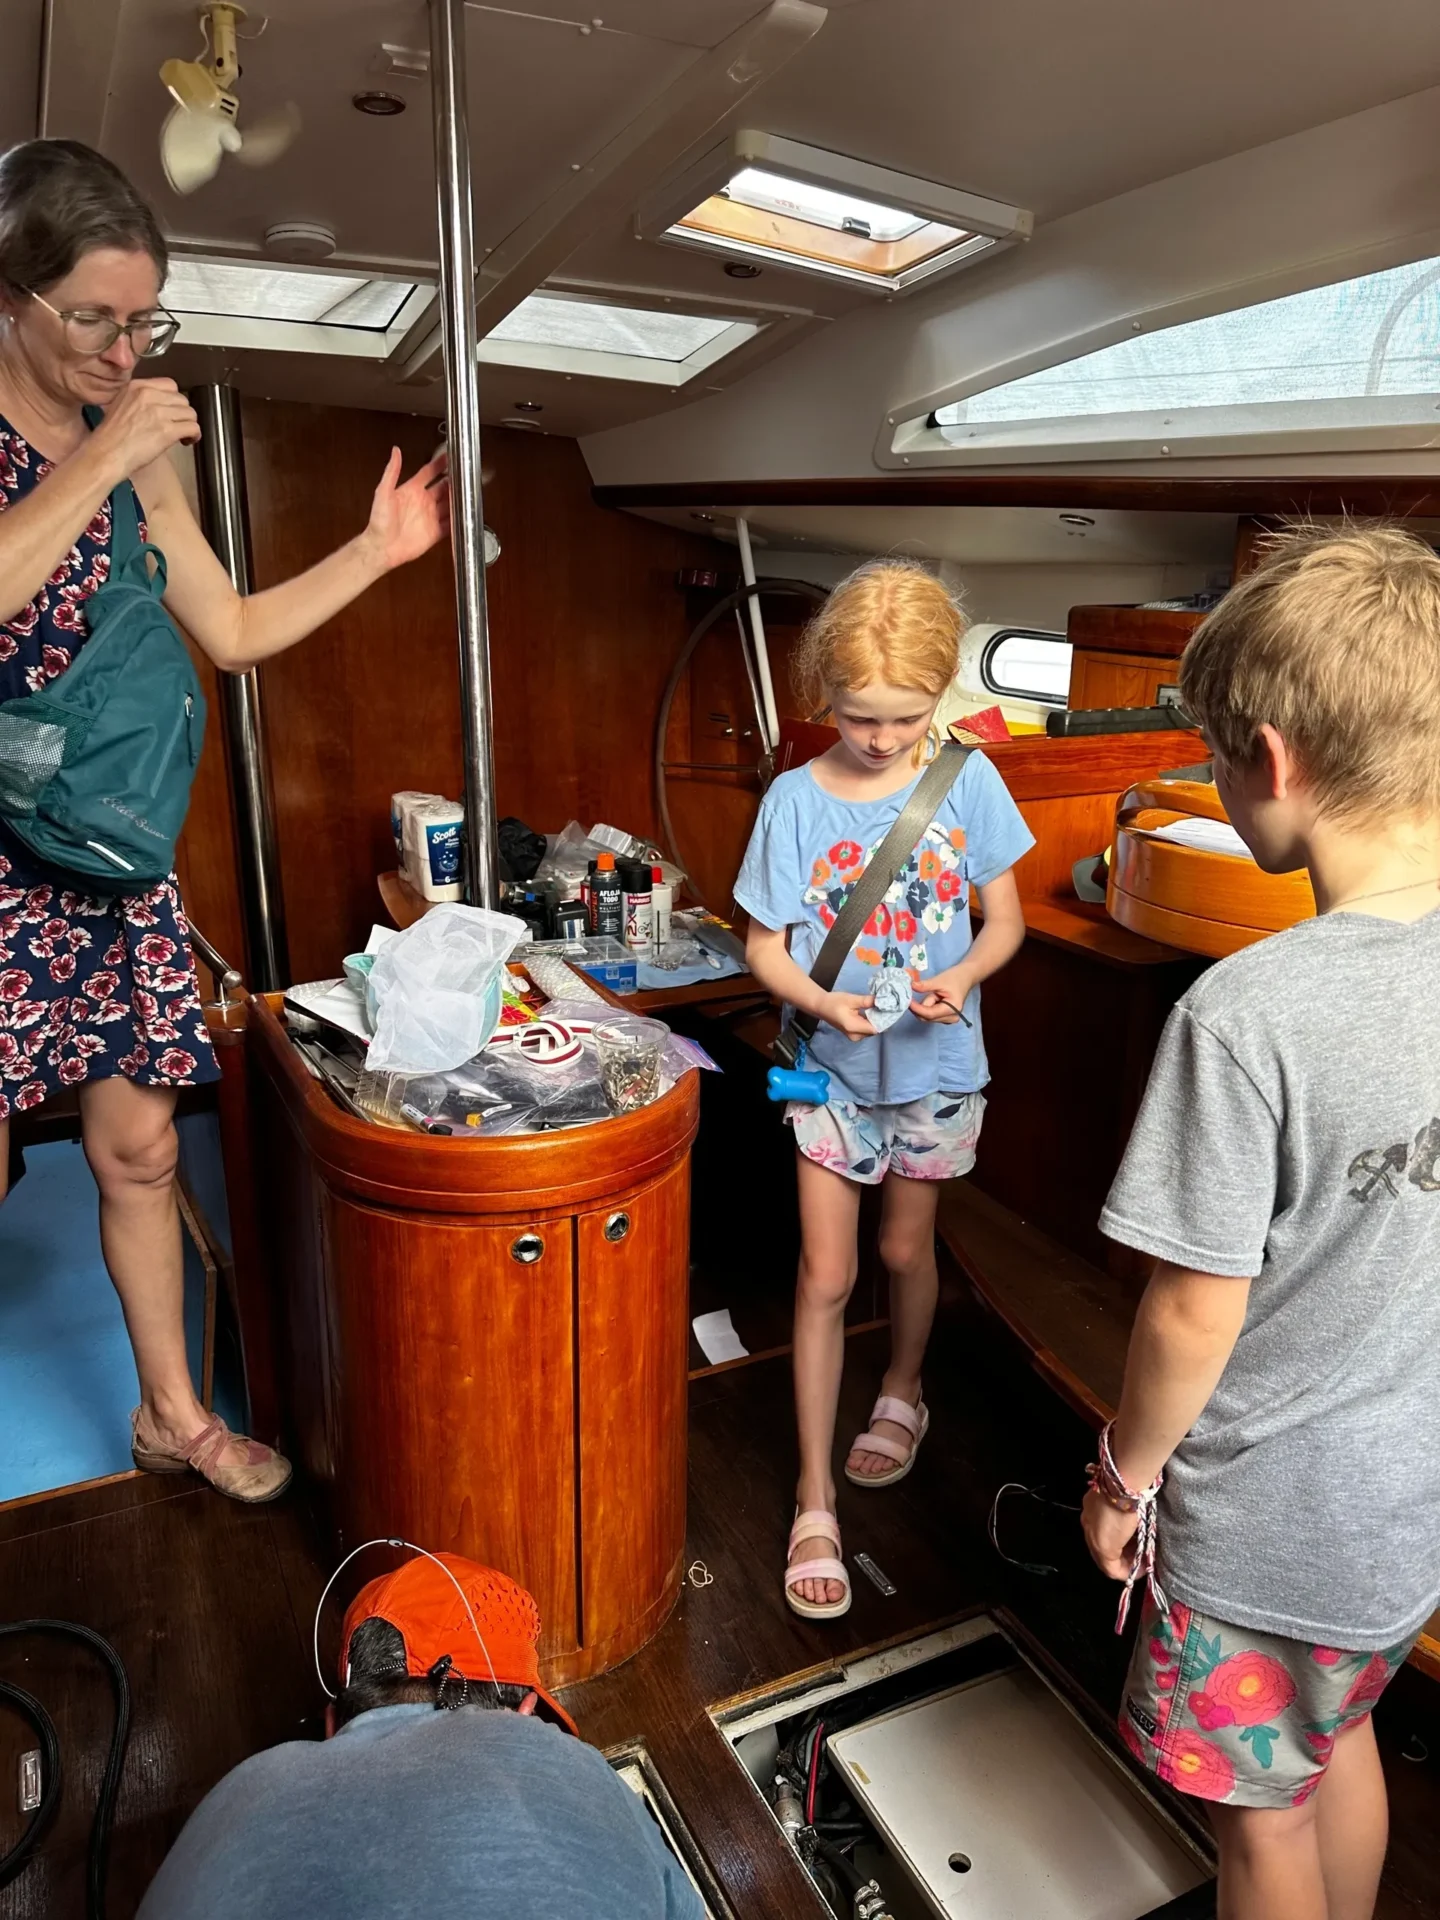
pixel 406 521
pixel 149 418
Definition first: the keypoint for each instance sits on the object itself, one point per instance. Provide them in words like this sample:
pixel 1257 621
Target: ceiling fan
pixel 200 128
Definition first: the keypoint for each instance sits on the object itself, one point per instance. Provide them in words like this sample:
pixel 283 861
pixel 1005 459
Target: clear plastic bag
pixel 434 992
pixel 568 855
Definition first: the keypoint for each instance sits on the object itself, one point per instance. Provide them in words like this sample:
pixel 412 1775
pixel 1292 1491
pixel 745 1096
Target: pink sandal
pixel 263 1475
pixel 816 1521
pixel 916 1422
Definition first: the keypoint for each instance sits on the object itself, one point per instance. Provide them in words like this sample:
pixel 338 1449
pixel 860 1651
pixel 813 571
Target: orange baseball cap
pixel 429 1615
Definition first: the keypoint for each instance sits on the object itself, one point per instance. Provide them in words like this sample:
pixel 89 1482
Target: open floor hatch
pixel 947 1779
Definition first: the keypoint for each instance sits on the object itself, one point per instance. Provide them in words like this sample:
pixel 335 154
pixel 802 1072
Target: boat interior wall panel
pixel 1350 196
pixel 586 620
pixel 20 70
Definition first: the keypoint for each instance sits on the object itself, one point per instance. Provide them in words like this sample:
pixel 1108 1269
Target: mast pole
pixel 224 516
pixel 467 523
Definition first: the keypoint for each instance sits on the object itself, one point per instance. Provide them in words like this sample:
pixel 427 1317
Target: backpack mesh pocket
pixel 32 752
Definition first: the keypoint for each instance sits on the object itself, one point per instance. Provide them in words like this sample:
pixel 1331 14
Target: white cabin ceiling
pixel 1040 103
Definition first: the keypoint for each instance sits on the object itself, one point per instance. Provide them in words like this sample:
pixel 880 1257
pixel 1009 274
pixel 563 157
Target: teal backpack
pixel 95 770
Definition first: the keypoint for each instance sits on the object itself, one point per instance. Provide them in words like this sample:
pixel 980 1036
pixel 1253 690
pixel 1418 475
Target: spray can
pixel 662 899
pixel 607 899
pixel 637 907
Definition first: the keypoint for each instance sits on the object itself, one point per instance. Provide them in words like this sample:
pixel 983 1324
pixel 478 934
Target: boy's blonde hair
pixel 1335 642
pixel 890 620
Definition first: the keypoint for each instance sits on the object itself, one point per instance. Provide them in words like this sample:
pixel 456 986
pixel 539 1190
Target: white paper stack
pixel 1209 836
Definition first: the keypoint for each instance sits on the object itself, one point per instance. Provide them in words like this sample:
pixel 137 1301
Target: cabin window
pixel 1356 362
pixel 778 201
pixel 1023 664
pixel 568 333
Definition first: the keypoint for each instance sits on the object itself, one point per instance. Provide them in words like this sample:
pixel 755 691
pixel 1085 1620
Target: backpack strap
pixel 890 859
pixel 125 542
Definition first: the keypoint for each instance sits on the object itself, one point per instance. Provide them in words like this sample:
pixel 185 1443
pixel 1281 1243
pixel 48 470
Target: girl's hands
pixel 1110 1535
pixel 942 997
pixel 406 521
pixel 846 1013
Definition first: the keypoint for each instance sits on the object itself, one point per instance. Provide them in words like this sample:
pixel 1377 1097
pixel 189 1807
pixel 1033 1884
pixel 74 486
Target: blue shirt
pixel 808 849
pixel 410 1814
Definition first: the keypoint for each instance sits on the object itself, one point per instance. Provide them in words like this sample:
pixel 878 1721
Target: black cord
pixel 24 1703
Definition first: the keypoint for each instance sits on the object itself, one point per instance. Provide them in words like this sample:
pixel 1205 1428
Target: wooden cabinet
pixel 1120 679
pixel 1123 656
pixel 486 1344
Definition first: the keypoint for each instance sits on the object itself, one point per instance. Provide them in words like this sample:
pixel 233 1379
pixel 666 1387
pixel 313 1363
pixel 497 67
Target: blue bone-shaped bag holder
pixel 795 1083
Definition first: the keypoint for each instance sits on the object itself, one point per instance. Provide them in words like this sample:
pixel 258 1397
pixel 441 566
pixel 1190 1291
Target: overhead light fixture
pixel 766 199
pixel 299 240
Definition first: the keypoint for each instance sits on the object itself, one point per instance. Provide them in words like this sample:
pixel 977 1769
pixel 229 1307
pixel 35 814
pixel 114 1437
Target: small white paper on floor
pixel 718 1338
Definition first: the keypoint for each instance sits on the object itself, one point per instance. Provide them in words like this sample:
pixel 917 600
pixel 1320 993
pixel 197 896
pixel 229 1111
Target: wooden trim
pixel 1160 632
pixel 1366 494
pixel 1036 767
pixel 776 1353
pixel 23 1500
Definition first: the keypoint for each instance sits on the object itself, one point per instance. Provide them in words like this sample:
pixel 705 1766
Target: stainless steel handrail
pixel 228 979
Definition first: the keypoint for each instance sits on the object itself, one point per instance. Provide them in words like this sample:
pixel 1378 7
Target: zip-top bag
pixel 889 862
pixel 95 770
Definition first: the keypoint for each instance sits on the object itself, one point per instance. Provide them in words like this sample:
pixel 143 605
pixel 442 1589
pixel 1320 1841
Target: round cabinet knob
pixel 617 1226
pixel 527 1249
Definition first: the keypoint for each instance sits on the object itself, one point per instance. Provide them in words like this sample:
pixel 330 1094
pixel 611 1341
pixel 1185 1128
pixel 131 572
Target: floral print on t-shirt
pixel 924 898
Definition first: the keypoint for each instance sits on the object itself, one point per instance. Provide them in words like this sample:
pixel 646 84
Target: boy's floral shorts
pixel 1228 1713
pixel 929 1139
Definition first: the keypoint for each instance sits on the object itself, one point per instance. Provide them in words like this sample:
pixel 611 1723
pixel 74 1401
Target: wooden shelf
pixel 1158 631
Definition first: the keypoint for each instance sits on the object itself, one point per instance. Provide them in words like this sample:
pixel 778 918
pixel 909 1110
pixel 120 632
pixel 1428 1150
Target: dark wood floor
pixel 210 1606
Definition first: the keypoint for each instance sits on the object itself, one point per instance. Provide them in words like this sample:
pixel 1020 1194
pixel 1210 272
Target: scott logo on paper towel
pixel 443 847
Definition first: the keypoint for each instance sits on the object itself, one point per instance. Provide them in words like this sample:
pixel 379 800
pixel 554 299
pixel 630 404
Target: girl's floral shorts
pixel 929 1139
pixel 1228 1713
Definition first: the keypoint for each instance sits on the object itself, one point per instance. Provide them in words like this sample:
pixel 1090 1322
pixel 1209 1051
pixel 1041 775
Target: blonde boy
pixel 1284 1372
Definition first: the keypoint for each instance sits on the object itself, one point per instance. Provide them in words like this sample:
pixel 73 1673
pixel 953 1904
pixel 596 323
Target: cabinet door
pixel 454 1374
pixel 633 1306
pixel 1119 679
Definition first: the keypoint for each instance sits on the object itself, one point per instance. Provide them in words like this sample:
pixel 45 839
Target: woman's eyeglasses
pixel 89 332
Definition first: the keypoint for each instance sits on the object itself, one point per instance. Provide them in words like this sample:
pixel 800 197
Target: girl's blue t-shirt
pixel 808 849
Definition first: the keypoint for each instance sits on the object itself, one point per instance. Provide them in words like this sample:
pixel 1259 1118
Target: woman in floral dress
pixel 99 994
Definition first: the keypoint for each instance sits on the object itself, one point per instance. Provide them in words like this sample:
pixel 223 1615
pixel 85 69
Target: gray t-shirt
pixel 474 1814
pixel 1291 1132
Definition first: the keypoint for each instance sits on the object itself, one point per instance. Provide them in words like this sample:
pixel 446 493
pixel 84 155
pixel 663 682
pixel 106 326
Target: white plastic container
pixel 662 902
pixel 433 830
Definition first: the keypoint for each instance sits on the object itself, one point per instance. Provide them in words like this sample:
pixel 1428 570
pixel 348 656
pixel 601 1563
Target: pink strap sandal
pixel 816 1521
pixel 916 1422
pixel 263 1475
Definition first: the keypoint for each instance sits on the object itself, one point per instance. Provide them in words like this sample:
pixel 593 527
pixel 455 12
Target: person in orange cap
pixel 454 1783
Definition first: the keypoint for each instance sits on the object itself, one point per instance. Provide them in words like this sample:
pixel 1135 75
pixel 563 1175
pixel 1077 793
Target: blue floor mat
pixel 67 1376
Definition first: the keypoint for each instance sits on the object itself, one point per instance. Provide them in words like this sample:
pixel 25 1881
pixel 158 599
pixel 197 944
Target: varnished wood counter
pixel 487 1343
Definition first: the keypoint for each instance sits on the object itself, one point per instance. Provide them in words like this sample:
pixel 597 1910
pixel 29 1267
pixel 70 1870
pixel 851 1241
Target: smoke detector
pixel 303 240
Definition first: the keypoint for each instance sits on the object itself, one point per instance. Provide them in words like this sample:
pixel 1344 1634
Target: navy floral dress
pixel 90 987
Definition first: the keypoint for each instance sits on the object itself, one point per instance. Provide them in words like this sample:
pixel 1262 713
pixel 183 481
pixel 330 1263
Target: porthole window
pixel 1023 663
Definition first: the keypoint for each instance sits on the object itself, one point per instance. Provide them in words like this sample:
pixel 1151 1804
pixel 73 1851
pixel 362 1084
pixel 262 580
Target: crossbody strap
pixel 125 541
pixel 890 859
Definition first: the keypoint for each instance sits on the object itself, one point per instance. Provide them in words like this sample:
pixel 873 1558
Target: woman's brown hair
pixel 59 200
